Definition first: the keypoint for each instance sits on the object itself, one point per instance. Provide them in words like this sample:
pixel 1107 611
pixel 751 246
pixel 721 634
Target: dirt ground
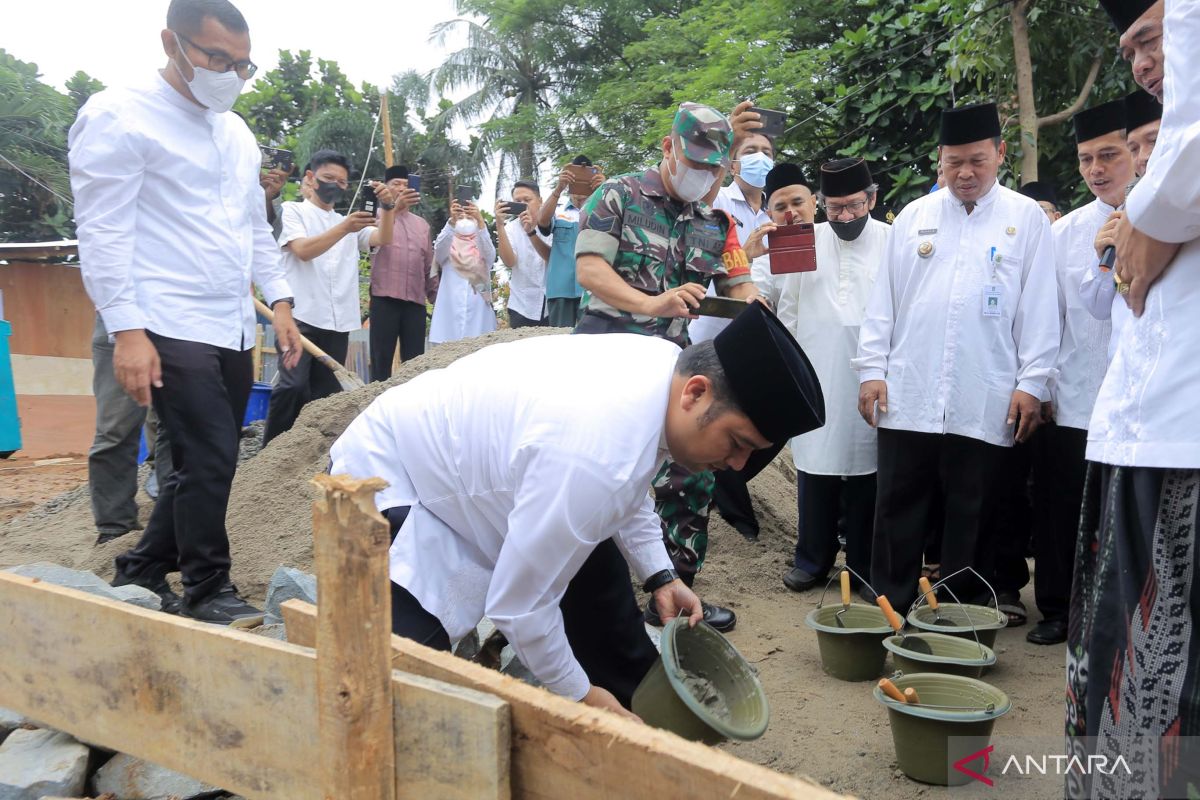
pixel 828 731
pixel 26 483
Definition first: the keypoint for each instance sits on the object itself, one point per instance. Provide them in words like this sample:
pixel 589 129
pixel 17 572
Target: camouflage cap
pixel 706 134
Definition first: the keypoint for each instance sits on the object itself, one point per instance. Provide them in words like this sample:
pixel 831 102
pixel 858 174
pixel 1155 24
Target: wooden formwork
pixel 343 709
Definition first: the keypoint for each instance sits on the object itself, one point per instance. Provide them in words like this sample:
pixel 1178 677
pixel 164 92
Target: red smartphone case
pixel 793 248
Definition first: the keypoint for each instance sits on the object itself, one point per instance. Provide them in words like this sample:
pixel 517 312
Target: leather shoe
pixel 1048 631
pixel 799 581
pixel 721 618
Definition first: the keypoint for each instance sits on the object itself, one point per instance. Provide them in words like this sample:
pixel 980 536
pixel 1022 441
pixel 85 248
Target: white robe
pixel 459 311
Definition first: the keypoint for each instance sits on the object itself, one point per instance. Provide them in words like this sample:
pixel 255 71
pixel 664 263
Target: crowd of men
pixel 983 376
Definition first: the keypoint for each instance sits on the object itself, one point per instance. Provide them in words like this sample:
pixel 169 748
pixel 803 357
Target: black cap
pixel 1094 122
pixel 581 161
pixel 845 176
pixel 395 171
pixel 1141 108
pixel 1124 13
pixel 771 379
pixel 1041 192
pixel 782 175
pixel 970 124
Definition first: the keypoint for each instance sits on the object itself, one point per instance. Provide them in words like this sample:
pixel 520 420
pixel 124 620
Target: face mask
pixel 465 227
pixel 849 231
pixel 329 192
pixel 691 184
pixel 753 168
pixel 216 91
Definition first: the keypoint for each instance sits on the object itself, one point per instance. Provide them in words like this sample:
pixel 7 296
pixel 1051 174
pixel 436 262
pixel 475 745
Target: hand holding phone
pixel 368 201
pixel 580 179
pixel 464 194
pixel 515 209
pixel 275 158
pixel 414 182
pixel 772 121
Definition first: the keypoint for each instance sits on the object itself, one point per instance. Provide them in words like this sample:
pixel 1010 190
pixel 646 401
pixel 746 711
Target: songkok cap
pixel 1124 13
pixel 1041 192
pixel 845 176
pixel 1141 108
pixel 970 124
pixel 1094 122
pixel 395 171
pixel 704 132
pixel 782 175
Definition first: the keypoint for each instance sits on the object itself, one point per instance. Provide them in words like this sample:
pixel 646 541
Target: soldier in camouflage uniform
pixel 649 244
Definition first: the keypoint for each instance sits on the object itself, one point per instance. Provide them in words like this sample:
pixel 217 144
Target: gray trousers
pixel 112 460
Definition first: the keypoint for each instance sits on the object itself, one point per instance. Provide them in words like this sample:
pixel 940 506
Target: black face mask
pixel 329 192
pixel 849 231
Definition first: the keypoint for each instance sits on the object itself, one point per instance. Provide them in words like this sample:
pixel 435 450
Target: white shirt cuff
pixel 273 290
pixel 871 374
pixel 1035 388
pixel 574 686
pixel 123 317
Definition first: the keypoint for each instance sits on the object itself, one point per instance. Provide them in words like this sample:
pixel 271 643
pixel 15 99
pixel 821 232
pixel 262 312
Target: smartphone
pixel 581 179
pixel 773 121
pixel 274 158
pixel 414 182
pixel 369 202
pixel 725 307
pixel 515 209
pixel 464 195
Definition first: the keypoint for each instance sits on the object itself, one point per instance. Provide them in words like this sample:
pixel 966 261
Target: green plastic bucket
pixel 968 620
pixel 701 688
pixel 855 652
pixel 951 655
pixel 953 721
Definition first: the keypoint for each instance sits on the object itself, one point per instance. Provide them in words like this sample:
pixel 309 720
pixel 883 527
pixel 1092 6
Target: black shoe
pixel 650 615
pixel 866 595
pixel 800 581
pixel 721 618
pixel 748 532
pixel 224 607
pixel 171 602
pixel 1048 631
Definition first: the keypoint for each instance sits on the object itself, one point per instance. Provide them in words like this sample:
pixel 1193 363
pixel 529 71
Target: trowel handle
pixel 845 588
pixel 927 590
pixel 911 696
pixel 893 618
pixel 891 691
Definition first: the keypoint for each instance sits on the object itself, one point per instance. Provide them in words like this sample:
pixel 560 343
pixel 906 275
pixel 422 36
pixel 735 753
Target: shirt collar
pixel 172 96
pixel 1104 208
pixel 735 193
pixel 988 198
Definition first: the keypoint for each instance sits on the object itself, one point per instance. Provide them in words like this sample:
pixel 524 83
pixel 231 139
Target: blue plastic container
pixel 10 423
pixel 260 398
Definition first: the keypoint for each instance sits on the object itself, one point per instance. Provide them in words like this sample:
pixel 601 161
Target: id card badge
pixel 992 297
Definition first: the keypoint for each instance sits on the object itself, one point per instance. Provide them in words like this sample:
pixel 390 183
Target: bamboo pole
pixel 388 155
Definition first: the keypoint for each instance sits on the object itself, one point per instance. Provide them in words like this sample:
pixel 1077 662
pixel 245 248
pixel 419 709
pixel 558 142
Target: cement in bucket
pixel 950 655
pixel 855 652
pixel 701 688
pixel 968 620
pixel 952 722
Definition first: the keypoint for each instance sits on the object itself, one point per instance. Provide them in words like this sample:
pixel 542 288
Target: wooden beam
pixel 567 750
pixel 389 155
pixel 350 544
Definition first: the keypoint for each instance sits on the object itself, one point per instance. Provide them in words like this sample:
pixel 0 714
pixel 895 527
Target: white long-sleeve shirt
pixel 326 287
pixel 1145 413
pixel 1083 349
pixel 1098 294
pixel 514 477
pixel 171 217
pixel 955 333
pixel 460 312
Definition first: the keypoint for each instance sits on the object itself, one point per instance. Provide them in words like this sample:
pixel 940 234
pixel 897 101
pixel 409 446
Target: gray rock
pixel 276 632
pixel 34 764
pixel 288 584
pixel 131 778
pixel 9 722
pixel 88 582
pixel 469 646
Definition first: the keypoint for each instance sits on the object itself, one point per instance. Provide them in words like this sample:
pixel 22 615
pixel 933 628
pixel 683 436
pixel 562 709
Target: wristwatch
pixel 291 301
pixel 387 206
pixel 659 580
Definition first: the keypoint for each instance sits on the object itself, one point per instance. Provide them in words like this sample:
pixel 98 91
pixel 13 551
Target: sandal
pixel 1010 604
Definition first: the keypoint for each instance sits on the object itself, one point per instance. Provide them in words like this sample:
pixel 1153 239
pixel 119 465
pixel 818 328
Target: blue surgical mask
pixel 754 168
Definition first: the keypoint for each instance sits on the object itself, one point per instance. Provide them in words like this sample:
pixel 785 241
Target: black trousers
pixel 308 381
pixel 393 319
pixel 1060 467
pixel 1012 520
pixel 820 499
pixel 924 476
pixel 602 618
pixel 201 404
pixel 732 497
pixel 518 320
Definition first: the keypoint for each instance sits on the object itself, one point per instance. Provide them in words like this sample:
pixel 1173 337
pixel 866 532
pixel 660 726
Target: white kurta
pixel 514 476
pixel 823 310
pixel 1083 348
pixel 1145 414
pixel 954 334
pixel 459 312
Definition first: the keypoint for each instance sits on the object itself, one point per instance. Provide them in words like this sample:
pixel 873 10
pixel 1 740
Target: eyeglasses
pixel 836 209
pixel 221 62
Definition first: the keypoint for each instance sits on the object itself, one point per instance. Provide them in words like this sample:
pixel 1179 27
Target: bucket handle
pixel 990 708
pixel 838 574
pixel 974 631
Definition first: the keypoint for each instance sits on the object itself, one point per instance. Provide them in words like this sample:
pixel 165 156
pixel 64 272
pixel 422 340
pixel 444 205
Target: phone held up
pixel 464 195
pixel 274 158
pixel 581 179
pixel 772 121
pixel 515 209
pixel 369 202
pixel 414 183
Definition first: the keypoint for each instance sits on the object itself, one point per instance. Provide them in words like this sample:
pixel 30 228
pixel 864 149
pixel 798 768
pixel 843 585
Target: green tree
pixel 81 86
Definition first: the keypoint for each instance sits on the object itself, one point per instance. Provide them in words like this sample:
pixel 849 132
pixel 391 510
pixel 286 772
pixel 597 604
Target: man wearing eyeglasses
pixel 172 232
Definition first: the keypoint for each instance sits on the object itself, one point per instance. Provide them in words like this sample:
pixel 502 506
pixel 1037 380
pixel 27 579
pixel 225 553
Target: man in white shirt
pixel 463 308
pixel 172 232
pixel 320 252
pixel 956 353
pixel 512 494
pixel 524 252
pixel 1132 646
pixel 835 465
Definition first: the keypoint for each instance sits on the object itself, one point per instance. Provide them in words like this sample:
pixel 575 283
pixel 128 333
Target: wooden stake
pixel 388 155
pixel 354 623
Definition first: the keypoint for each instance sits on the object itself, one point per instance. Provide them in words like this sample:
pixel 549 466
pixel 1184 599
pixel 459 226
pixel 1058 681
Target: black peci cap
pixel 1094 122
pixel 1141 108
pixel 845 176
pixel 1041 192
pixel 1124 13
pixel 395 171
pixel 782 175
pixel 970 124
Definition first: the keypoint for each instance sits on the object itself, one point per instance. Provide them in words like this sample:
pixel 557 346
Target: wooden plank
pixel 50 312
pixel 567 750
pixel 447 748
pixel 355 707
pixel 224 706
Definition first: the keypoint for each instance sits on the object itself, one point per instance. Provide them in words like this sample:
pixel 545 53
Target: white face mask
pixel 216 91
pixel 689 184
pixel 465 227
